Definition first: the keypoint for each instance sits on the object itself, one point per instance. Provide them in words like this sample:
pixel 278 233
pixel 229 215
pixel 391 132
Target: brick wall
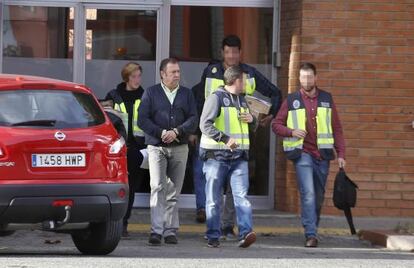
pixel 290 30
pixel 364 52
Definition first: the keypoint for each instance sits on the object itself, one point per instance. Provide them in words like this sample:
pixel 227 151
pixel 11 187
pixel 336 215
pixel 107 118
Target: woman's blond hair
pixel 128 69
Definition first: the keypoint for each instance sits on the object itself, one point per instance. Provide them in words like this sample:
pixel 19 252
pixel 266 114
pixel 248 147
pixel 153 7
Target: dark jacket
pixel 263 85
pixel 121 95
pixel 156 114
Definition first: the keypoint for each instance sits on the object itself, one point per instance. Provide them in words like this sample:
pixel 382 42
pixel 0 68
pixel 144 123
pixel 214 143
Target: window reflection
pixel 196 36
pixel 114 38
pixel 196 32
pixel 38 41
pixel 36 32
pixel 120 34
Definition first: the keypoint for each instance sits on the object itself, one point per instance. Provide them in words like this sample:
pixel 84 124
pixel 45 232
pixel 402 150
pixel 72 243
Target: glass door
pixel 37 39
pixel 114 37
pixel 196 31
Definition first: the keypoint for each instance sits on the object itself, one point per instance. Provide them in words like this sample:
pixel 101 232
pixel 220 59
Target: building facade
pixel 362 49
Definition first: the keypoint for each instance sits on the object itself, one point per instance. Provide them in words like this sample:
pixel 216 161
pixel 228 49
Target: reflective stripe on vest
pixel 122 113
pixel 226 123
pixel 324 128
pixel 121 107
pixel 297 120
pixel 249 85
pixel 212 84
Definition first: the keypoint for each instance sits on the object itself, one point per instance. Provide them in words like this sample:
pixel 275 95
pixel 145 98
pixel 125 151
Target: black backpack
pixel 345 196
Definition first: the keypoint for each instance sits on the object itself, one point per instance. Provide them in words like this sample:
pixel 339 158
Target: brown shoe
pixel 311 242
pixel 201 216
pixel 248 239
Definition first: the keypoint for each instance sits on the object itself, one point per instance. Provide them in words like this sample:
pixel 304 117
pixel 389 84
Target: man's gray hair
pixel 232 74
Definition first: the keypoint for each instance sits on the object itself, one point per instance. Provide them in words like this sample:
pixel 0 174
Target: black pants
pixel 135 175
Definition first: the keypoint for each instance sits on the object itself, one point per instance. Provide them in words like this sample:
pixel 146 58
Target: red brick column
pixel 364 52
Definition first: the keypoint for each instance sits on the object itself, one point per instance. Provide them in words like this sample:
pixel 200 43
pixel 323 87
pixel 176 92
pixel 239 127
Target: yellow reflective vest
pixel 214 79
pixel 229 123
pixel 124 116
pixel 297 120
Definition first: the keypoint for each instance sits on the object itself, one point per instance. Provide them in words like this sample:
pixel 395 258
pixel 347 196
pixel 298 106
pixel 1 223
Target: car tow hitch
pixel 51 225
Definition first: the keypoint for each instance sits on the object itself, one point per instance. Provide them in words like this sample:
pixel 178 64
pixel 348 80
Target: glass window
pixel 196 36
pixel 38 41
pixel 114 38
pixel 197 32
pixel 59 109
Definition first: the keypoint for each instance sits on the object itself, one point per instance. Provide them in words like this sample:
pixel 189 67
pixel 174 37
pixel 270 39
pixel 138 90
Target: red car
pixel 62 163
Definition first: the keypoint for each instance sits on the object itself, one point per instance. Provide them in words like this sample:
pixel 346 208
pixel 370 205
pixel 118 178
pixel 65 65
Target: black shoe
pixel 213 243
pixel 154 239
pixel 247 240
pixel 227 233
pixel 311 242
pixel 171 239
pixel 201 215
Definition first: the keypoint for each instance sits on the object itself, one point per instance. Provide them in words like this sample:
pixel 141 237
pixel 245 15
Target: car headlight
pixel 116 147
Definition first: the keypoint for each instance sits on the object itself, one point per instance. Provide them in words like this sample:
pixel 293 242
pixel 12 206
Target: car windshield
pixel 57 109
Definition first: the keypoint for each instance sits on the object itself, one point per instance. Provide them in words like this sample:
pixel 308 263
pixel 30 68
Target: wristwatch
pixel 175 131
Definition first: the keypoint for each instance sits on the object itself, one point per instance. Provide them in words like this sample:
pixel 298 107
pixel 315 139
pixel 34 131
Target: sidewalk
pixel 275 222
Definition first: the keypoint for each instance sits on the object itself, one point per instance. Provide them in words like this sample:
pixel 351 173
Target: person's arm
pixel 253 124
pixel 339 140
pixel 190 124
pixel 208 116
pixel 199 95
pixel 279 122
pixel 145 121
pixel 266 88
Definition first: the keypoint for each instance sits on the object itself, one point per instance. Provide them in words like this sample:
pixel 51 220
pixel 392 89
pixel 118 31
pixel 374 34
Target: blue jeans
pixel 199 179
pixel 217 173
pixel 311 175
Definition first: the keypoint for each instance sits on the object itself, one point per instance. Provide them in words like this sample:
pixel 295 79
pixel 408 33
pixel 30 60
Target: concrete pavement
pixel 376 230
pixel 279 244
pixel 271 221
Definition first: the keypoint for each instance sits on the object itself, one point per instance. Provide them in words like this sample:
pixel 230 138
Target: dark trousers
pixel 135 176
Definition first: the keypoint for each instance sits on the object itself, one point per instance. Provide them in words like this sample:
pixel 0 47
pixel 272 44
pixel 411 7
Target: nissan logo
pixel 60 136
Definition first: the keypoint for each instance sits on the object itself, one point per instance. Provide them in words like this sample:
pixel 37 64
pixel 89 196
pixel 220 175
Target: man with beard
pixel 309 124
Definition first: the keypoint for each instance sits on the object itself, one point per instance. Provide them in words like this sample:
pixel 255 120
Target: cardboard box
pixel 258 107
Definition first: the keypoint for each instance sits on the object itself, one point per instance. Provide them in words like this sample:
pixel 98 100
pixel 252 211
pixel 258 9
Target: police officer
pixel 311 130
pixel 127 98
pixel 212 79
pixel 224 148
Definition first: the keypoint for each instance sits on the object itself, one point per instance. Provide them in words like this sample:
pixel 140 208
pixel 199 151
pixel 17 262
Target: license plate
pixel 58 160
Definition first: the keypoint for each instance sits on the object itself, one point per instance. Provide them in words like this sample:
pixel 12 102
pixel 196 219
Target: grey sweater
pixel 211 111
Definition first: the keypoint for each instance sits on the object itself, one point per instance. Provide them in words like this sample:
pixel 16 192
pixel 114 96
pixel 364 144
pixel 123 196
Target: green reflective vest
pixel 214 79
pixel 121 107
pixel 297 120
pixel 229 123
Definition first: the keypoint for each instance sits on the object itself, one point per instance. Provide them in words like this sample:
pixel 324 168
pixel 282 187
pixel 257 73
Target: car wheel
pixel 99 239
pixel 6 233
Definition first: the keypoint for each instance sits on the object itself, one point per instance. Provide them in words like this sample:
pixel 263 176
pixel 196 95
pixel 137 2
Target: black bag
pixel 345 195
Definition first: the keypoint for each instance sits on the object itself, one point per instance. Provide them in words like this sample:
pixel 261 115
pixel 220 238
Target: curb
pixel 388 239
pixel 266 230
